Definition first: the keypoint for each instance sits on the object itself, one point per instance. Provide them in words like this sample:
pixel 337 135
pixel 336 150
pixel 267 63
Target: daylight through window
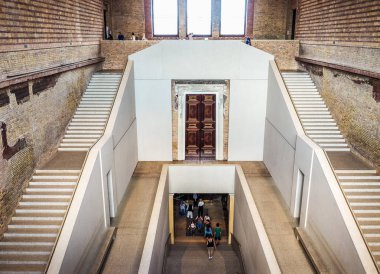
pixel 233 17
pixel 199 17
pixel 165 17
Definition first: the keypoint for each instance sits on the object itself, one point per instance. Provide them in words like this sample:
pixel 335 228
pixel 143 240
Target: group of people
pixel 121 36
pixel 201 223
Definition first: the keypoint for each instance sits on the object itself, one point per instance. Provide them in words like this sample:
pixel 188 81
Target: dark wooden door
pixel 200 126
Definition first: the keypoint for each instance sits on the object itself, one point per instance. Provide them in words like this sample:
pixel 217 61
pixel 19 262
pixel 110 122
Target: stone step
pixel 72 149
pixel 80 132
pixel 357 171
pixel 36 219
pixel 65 140
pixel 36 211
pixel 337 149
pixel 98 120
pixel 44 203
pixel 317 120
pixel 323 145
pixel 359 177
pixel 75 145
pixel 55 177
pixel 318 140
pixel 97 116
pixel 73 136
pixel 57 171
pixel 85 127
pixel 330 136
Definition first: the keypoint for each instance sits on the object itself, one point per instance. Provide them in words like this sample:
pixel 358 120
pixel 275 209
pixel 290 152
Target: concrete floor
pixel 133 221
pixel 134 218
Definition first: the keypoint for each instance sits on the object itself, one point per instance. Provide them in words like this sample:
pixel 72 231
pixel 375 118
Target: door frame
pixel 219 122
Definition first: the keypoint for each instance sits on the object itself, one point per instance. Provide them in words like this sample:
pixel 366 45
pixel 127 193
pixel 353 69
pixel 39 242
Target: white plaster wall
pixel 153 258
pixel 249 231
pixel 88 217
pixel 73 252
pixel 154 120
pixel 247 120
pixel 125 161
pixel 201 179
pixel 325 215
pixel 247 69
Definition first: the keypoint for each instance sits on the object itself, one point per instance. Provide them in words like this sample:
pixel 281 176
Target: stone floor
pixel 188 257
pixel 67 160
pixel 193 259
pixel 214 208
pixel 133 221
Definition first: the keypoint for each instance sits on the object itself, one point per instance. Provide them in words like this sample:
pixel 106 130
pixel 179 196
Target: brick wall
pixel 128 16
pixel 345 33
pixel 116 52
pixel 269 22
pixel 27 23
pixel 336 21
pixel 270 19
pixel 36 35
pixel 349 98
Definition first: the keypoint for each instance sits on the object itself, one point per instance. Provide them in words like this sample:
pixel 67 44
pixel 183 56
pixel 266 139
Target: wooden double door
pixel 200 126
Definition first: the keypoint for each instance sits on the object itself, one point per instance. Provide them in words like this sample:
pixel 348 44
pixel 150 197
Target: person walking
pixel 218 234
pixel 190 211
pixel 200 207
pixel 208 231
pixel 210 247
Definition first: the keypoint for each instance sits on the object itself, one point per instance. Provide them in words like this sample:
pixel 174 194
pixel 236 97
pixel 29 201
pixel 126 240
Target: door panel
pixel 200 126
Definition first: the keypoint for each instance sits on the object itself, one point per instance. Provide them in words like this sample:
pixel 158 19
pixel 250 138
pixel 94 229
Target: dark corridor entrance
pixel 200 126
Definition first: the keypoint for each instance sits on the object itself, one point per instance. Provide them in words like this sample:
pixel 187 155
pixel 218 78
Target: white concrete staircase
pixel 31 235
pixel 90 118
pixel 362 190
pixel 315 117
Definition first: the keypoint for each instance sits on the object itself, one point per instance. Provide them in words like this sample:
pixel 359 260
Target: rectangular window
pixel 232 20
pixel 165 17
pixel 199 17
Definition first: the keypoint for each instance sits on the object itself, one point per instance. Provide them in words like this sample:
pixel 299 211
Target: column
pixel 171 218
pixel 231 217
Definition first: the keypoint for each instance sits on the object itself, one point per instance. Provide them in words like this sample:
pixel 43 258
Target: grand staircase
pixel 313 112
pixel 28 243
pixel 361 187
pixel 91 116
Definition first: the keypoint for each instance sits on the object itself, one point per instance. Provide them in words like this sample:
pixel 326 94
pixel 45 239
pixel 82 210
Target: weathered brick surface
pixel 366 58
pixel 128 16
pixel 339 21
pixel 349 98
pixel 48 21
pixel 41 121
pixel 116 52
pixel 37 35
pixel 283 50
pixel 18 62
pixel 270 19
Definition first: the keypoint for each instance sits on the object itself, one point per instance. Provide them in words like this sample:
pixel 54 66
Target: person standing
pixel 210 247
pixel 120 36
pixel 200 207
pixel 218 234
pixel 190 211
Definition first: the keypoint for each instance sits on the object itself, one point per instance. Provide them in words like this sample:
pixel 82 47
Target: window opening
pixel 199 17
pixel 233 17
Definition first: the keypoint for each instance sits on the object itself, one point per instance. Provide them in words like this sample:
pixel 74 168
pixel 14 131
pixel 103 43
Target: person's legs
pixel 209 252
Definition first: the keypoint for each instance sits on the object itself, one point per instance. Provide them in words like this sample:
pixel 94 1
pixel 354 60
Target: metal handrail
pixel 336 177
pixel 79 177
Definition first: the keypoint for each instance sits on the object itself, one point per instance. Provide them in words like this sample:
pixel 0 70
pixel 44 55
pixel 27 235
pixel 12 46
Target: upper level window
pixel 199 17
pixel 165 17
pixel 232 20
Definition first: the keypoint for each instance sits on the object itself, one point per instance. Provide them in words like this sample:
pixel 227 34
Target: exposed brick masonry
pixel 354 21
pixel 49 21
pixel 116 52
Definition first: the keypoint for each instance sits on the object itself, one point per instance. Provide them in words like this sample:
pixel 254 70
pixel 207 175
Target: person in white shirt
pixel 200 207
